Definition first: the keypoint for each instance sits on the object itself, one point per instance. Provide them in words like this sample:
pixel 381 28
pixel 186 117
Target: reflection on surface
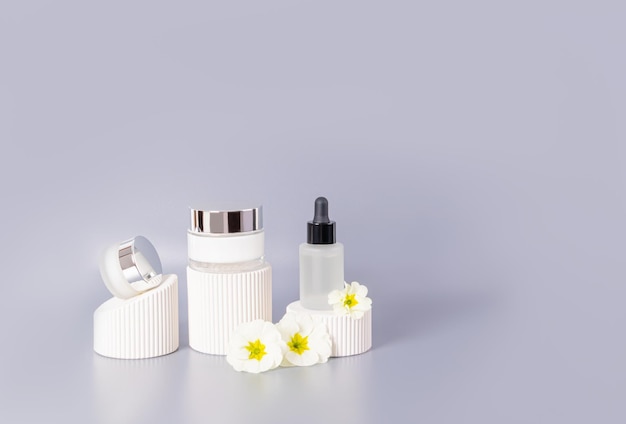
pixel 129 391
pixel 213 391
pixel 192 387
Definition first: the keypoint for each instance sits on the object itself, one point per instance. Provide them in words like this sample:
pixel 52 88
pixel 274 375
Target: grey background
pixel 473 154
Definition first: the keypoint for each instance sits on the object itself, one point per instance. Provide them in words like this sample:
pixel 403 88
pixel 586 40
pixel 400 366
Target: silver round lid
pixel 226 219
pixel 140 263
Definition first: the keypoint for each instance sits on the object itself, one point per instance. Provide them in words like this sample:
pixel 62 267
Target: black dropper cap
pixel 321 230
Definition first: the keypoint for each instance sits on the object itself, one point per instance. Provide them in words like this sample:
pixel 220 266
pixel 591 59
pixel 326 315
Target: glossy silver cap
pixel 226 220
pixel 140 262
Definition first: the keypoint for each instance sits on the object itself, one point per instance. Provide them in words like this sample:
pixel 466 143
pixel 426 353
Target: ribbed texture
pixel 350 336
pixel 219 303
pixel 141 327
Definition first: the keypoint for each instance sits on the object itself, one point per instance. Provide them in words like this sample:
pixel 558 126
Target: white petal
pixel 305 324
pixel 334 297
pixel 322 347
pixel 357 314
pixel 363 305
pixel 276 352
pixel 305 359
pixel 237 341
pixel 269 332
pixel 339 309
pixel 266 363
pixel 236 364
pixel 319 331
pixel 241 354
pixel 324 355
pixel 292 358
pixel 360 289
pixel 274 349
pixel 252 366
pixel 319 343
pixel 309 358
pixel 285 362
pixel 250 330
pixel 286 333
pixel 287 327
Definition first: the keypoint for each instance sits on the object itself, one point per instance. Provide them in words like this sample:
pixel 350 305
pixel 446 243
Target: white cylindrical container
pixel 321 260
pixel 228 280
pixel 349 336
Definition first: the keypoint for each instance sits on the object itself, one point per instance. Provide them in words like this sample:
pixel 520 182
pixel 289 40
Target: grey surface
pixel 473 154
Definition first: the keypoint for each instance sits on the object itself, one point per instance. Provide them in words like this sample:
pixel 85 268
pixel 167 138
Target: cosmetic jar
pixel 228 280
pixel 141 319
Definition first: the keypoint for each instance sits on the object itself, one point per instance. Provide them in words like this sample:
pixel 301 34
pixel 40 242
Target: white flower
pixel 255 347
pixel 308 341
pixel 352 300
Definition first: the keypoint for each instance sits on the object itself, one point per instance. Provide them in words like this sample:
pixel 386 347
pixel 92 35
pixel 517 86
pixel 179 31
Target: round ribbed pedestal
pixel 219 303
pixel 143 326
pixel 350 336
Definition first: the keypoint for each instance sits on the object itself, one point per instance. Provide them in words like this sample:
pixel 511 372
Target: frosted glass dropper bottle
pixel 321 260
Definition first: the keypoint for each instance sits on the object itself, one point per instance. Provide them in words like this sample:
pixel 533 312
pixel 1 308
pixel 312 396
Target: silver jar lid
pixel 131 267
pixel 226 219
pixel 139 261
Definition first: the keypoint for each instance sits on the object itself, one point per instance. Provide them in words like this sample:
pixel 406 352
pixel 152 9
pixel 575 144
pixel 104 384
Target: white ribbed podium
pixel 220 302
pixel 350 336
pixel 143 326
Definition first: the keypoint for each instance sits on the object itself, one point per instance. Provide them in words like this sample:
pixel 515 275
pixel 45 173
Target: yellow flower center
pixel 350 301
pixel 298 343
pixel 256 349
